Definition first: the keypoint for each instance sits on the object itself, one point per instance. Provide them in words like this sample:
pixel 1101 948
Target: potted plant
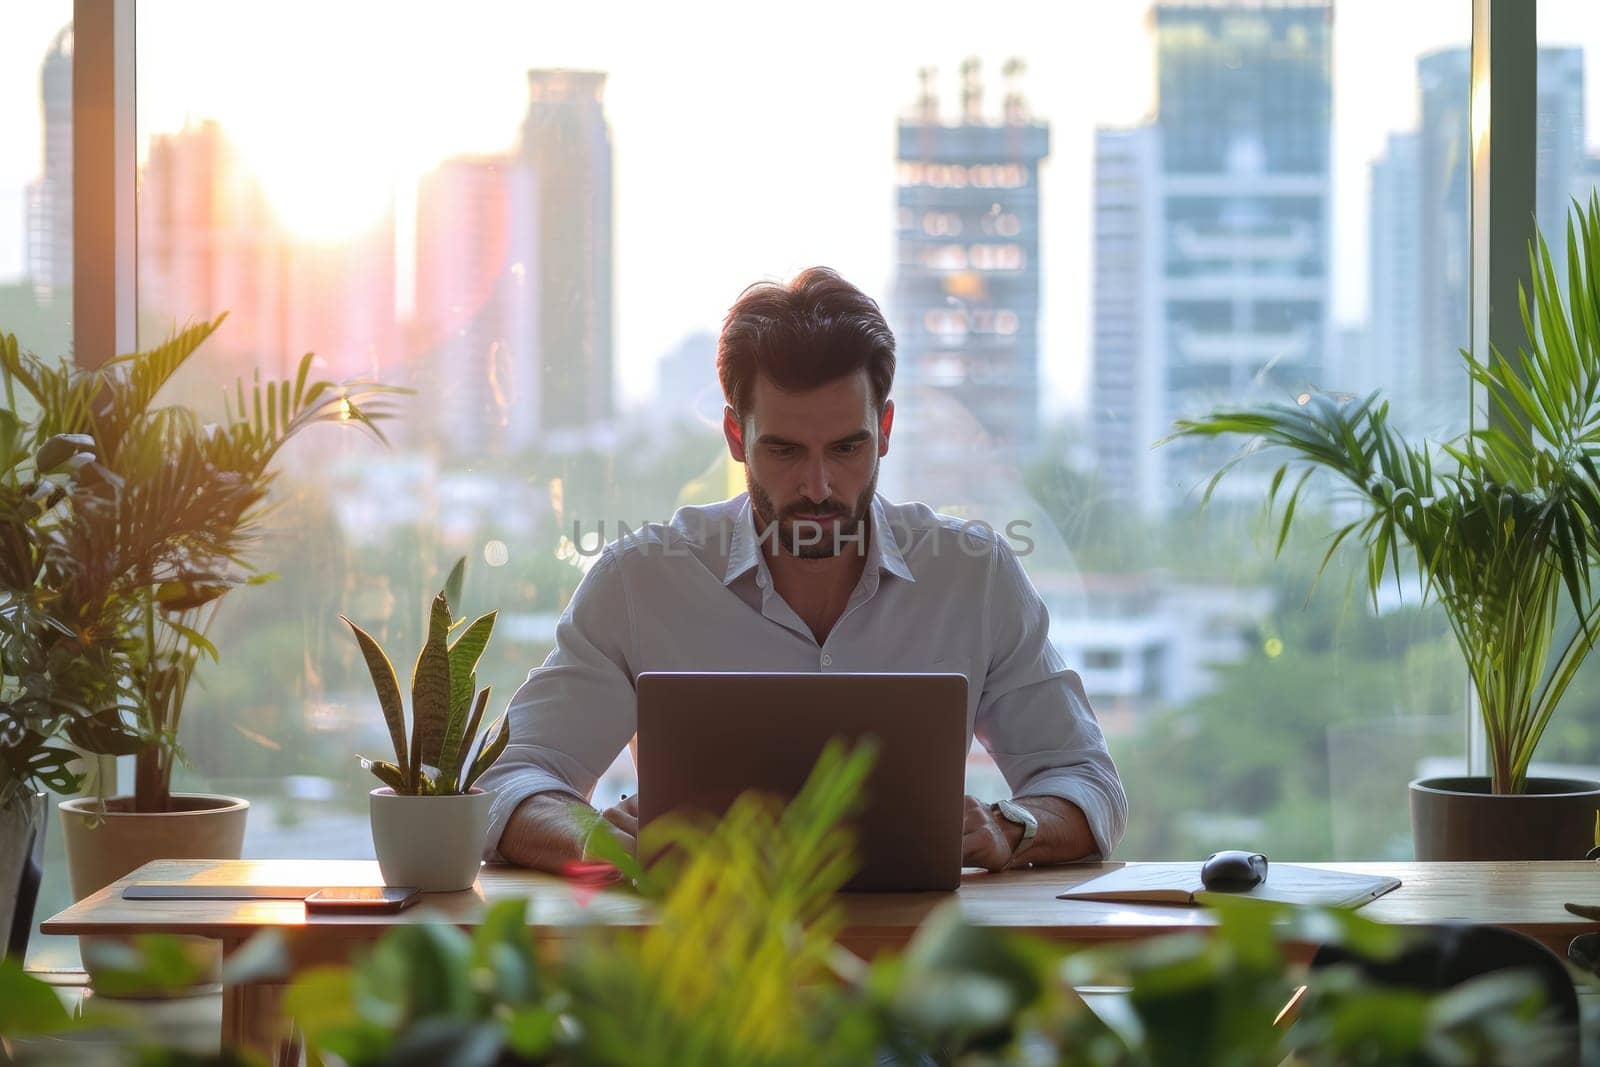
pixel 48 680
pixel 1503 527
pixel 132 565
pixel 428 817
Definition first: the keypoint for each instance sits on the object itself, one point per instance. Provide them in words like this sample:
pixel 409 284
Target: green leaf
pixel 61 448
pixel 386 772
pixel 27 1005
pixel 458 742
pixel 499 737
pixel 322 1001
pixel 388 690
pixel 465 652
pixel 452 585
pixel 430 690
pixel 263 957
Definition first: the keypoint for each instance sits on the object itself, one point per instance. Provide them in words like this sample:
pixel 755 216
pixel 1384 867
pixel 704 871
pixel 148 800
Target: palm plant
pixel 50 683
pixel 1501 523
pixel 446 704
pixel 157 529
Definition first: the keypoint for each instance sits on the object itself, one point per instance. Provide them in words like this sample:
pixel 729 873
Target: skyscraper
pixel 475 313
pixel 1233 254
pixel 966 288
pixel 1127 370
pixel 210 242
pixel 1394 244
pixel 566 144
pixel 1420 238
pixel 514 279
pixel 49 199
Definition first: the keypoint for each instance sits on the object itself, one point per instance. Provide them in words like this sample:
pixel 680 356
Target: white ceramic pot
pixel 432 843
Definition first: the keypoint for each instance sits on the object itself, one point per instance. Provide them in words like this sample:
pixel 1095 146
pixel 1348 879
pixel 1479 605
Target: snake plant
pixel 446 704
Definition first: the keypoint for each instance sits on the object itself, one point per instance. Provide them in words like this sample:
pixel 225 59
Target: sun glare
pixel 326 193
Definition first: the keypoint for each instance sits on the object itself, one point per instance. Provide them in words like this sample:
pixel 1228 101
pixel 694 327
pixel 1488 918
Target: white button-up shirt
pixel 937 594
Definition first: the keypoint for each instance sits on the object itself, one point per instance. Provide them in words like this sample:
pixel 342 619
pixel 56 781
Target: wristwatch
pixel 1011 811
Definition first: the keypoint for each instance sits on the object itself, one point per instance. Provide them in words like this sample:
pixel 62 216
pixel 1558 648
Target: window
pixel 36 256
pixel 541 240
pixel 1567 168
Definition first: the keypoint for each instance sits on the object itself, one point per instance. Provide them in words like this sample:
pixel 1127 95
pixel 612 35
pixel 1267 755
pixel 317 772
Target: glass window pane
pixel 538 225
pixel 1287 216
pixel 1568 170
pixel 36 259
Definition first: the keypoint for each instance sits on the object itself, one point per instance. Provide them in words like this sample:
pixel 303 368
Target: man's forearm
pixel 1063 835
pixel 542 833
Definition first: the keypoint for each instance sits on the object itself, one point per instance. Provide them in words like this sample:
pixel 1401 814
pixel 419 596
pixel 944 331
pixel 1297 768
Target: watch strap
pixel 1013 812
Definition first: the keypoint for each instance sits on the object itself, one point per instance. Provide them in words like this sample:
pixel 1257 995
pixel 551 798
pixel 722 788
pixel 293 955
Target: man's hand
pixel 545 834
pixel 987 840
pixel 624 820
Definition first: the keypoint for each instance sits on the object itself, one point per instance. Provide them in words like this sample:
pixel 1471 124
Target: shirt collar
pixel 883 548
pixel 884 551
pixel 743 554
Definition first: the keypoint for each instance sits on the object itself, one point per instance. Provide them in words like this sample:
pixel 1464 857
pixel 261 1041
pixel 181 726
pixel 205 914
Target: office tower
pixel 566 144
pixel 966 289
pixel 1127 370
pixel 49 199
pixel 687 389
pixel 210 242
pixel 1420 249
pixel 1394 295
pixel 1561 155
pixel 475 308
pixel 514 259
pixel 1235 256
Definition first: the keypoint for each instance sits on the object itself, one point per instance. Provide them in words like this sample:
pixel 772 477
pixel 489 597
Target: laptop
pixel 705 738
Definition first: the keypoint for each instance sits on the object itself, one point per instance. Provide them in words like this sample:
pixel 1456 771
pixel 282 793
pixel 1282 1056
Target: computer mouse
pixel 1233 871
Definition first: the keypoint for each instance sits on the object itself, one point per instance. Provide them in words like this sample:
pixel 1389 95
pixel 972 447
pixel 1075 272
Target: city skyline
pixel 758 222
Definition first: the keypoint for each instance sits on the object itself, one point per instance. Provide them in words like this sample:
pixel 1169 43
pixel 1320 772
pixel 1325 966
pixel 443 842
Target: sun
pixel 324 189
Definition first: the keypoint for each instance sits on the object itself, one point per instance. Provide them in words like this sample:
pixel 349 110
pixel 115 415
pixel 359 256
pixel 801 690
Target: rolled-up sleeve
pixel 1033 715
pixel 572 716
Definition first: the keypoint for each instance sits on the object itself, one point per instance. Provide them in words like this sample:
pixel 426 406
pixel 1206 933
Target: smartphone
pixel 375 899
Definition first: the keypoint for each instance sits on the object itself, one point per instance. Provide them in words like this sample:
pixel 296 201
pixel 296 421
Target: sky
pixel 752 139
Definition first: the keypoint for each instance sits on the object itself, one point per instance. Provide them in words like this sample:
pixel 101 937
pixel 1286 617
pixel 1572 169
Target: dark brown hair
pixel 817 329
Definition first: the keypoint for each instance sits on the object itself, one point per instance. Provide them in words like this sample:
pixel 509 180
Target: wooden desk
pixel 1528 897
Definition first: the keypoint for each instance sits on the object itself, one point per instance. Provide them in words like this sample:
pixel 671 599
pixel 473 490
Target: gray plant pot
pixel 1460 819
pixel 21 868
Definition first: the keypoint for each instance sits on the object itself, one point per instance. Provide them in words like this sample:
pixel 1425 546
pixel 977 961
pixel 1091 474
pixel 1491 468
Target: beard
pixel 797 536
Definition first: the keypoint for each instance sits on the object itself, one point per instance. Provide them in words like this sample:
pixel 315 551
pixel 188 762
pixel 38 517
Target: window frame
pixel 1503 95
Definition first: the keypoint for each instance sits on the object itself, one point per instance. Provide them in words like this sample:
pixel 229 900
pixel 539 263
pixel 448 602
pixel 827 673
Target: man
pixel 810 570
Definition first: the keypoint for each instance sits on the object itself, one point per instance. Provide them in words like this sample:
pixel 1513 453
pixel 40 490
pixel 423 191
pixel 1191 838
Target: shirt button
pixel 827 660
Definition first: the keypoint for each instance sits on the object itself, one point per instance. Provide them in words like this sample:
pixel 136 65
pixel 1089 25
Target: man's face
pixel 811 461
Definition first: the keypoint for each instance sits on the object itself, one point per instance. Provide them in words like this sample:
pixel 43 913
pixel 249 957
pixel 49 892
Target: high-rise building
pixel 966 288
pixel 1420 238
pixel 475 313
pixel 514 280
pixel 566 144
pixel 1394 244
pixel 49 198
pixel 1127 371
pixel 687 389
pixel 209 242
pixel 1234 254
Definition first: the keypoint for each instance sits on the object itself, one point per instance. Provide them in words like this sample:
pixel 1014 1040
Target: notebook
pixel 193 891
pixel 1179 883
